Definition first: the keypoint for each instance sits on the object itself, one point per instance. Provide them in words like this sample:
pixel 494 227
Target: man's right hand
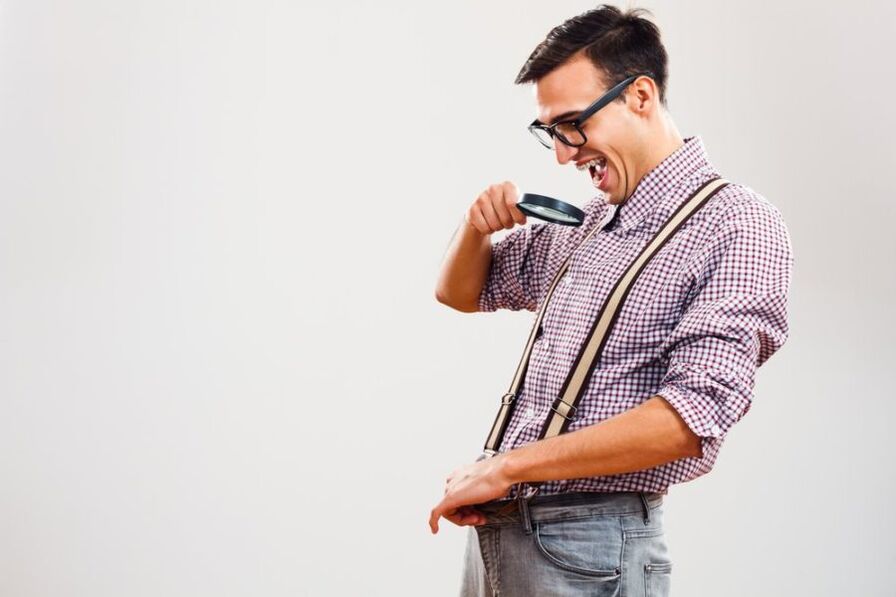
pixel 495 209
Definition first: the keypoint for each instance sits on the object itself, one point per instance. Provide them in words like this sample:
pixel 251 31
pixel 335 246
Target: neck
pixel 665 141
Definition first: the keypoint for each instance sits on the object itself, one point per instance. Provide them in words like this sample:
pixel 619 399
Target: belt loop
pixel 646 507
pixel 523 504
pixel 525 516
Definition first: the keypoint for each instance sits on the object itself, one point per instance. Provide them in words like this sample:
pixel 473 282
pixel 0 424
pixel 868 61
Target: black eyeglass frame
pixel 577 122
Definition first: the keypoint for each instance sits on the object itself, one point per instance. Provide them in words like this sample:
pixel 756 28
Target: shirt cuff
pixel 709 400
pixel 696 414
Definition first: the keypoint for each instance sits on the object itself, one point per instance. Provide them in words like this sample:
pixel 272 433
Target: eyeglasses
pixel 570 132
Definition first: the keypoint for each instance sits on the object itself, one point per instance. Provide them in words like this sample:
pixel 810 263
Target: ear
pixel 642 96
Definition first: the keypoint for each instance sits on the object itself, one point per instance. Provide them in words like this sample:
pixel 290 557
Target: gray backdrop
pixel 222 367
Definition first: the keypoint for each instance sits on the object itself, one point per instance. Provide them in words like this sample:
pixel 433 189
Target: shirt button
pixel 716 430
pixel 530 412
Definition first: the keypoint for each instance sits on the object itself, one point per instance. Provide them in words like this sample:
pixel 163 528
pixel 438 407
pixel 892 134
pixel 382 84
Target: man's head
pixel 576 64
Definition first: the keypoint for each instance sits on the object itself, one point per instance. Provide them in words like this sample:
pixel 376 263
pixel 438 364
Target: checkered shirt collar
pixel 654 188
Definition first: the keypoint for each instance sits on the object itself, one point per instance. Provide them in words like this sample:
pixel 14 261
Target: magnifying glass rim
pixel 550 203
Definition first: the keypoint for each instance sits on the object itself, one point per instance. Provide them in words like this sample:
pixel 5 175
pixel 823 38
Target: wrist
pixel 510 468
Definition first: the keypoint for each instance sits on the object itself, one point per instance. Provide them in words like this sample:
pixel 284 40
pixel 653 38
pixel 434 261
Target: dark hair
pixel 618 43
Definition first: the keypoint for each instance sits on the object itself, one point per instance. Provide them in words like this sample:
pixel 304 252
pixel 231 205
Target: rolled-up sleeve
pixel 736 319
pixel 516 276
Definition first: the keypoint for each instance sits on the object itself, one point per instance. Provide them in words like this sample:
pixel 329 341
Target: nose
pixel 563 152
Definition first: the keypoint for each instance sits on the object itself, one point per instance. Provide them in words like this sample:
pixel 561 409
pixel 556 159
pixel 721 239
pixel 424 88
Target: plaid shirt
pixel 708 310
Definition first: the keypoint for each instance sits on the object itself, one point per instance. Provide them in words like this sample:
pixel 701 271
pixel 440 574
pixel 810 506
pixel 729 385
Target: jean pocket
pixel 588 546
pixel 657 579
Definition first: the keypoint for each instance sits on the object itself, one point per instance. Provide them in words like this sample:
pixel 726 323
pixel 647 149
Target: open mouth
pixel 597 167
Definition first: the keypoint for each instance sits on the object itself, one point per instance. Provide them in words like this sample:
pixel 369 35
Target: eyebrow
pixel 560 117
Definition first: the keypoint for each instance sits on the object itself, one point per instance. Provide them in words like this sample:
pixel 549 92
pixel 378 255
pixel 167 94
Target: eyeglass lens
pixel 567 132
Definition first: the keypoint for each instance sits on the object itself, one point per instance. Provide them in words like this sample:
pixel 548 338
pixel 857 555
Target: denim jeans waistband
pixel 565 506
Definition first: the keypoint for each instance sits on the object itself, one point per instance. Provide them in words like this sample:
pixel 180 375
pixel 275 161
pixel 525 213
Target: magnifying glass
pixel 550 210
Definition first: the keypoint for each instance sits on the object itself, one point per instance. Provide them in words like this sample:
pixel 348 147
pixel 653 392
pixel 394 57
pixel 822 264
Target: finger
pixel 463 520
pixel 464 516
pixel 444 508
pixel 434 519
pixel 477 220
pixel 503 212
pixel 488 211
pixel 455 518
pixel 511 198
pixel 511 191
pixel 518 216
pixel 441 509
pixel 467 515
pixel 461 516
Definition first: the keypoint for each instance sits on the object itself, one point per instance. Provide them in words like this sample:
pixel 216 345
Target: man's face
pixel 614 150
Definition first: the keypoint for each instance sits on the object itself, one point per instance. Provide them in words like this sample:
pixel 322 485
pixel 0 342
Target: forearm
pixel 643 437
pixel 464 268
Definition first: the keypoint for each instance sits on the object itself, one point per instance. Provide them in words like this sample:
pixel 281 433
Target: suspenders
pixel 563 410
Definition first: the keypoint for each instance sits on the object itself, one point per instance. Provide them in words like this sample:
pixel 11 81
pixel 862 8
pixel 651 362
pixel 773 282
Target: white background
pixel 222 367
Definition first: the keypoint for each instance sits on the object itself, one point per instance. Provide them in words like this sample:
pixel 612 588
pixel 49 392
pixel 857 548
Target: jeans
pixel 570 544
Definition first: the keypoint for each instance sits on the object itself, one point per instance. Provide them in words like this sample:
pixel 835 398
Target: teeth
pixel 596 163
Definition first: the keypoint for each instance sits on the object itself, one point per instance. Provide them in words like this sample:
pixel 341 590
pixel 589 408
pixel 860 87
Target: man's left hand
pixel 469 485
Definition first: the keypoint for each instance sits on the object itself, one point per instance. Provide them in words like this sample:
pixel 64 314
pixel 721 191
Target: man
pixel 677 369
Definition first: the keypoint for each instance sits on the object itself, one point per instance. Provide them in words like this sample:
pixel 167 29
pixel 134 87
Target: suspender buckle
pixel 568 411
pixel 508 398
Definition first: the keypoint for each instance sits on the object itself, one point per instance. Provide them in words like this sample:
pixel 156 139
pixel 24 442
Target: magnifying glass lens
pixel 552 214
pixel 550 210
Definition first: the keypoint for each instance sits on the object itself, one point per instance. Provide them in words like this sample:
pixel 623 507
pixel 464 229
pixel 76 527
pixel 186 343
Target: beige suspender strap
pixel 509 398
pixel 564 408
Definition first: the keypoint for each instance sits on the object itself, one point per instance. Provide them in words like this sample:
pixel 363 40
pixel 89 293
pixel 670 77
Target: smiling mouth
pixel 597 168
